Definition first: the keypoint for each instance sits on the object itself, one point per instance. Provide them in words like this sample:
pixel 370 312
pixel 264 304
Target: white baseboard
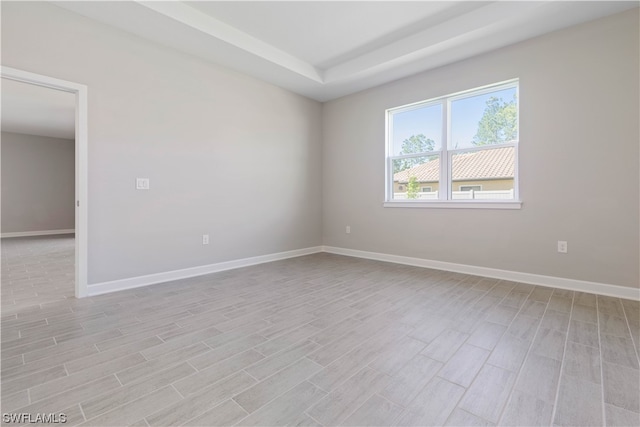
pixel 514 276
pixel 36 233
pixel 151 279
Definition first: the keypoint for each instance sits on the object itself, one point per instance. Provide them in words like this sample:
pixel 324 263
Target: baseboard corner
pixel 168 276
pixel 514 276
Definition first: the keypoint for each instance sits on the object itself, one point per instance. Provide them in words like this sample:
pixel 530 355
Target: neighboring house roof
pixel 496 163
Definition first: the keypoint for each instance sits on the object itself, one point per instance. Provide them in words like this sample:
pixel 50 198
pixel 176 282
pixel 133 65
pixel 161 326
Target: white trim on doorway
pixel 80 92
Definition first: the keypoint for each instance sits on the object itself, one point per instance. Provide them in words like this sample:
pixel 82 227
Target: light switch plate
pixel 142 183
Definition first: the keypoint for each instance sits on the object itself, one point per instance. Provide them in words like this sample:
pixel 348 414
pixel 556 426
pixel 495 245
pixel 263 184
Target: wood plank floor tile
pixel 583 362
pixel 613 325
pixel 134 410
pixel 524 327
pixel 620 417
pixel 107 356
pixel 70 344
pixel 287 339
pixel 276 362
pixel 273 386
pixel 487 335
pixel 146 367
pixel 10 402
pixel 49 362
pixel 463 367
pixel 524 409
pixel 584 333
pixel 200 403
pixel 584 313
pixel 217 372
pixel 549 343
pixel 539 377
pixel 463 418
pixel 336 407
pixel 120 396
pixel 287 409
pixel 509 353
pixel 619 351
pixel 226 351
pixel 557 320
pixel 488 394
pixel 397 355
pixel 445 345
pixel 412 378
pixel 28 381
pixel 561 304
pixel 226 414
pixel 576 403
pixel 621 385
pixel 70 397
pixel 377 411
pixel 433 405
pixel 320 339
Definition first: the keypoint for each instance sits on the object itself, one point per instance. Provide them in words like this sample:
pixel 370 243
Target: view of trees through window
pixel 499 122
pixel 480 140
pixel 412 145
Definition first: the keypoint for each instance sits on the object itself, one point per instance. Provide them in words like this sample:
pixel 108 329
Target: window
pixel 461 150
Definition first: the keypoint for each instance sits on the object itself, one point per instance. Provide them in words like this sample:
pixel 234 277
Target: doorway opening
pixel 51 234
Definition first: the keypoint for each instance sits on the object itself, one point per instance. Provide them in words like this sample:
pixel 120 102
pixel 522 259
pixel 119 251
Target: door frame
pixel 81 175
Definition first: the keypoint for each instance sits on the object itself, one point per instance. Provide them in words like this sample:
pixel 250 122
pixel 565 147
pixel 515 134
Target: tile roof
pixel 492 163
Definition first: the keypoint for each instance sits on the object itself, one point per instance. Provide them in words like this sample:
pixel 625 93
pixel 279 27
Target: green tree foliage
pixel 414 144
pixel 412 188
pixel 499 122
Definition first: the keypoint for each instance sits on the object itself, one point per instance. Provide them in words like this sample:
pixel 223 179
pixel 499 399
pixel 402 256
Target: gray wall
pixel 579 171
pixel 226 154
pixel 38 183
pixel 263 170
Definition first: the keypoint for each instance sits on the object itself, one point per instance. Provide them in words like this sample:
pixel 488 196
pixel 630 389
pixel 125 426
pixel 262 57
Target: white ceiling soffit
pixel 37 110
pixel 325 50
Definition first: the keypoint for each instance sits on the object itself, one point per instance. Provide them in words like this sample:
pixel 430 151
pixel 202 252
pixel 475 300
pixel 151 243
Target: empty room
pixel 367 213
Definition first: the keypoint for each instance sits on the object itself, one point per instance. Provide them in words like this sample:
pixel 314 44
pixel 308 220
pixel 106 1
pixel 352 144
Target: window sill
pixel 511 204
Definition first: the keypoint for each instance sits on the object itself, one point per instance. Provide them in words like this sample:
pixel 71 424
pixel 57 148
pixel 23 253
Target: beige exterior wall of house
pixel 487 185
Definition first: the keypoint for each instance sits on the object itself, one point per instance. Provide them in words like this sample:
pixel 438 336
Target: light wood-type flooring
pixel 315 340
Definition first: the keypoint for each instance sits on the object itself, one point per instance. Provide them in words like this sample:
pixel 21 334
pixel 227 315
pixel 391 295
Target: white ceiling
pixel 37 110
pixel 327 49
pixel 328 33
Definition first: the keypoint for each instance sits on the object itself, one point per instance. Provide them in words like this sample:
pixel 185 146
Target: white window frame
pixel 446 155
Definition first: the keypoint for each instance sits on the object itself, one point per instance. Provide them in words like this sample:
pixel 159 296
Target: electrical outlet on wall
pixel 205 239
pixel 348 229
pixel 562 246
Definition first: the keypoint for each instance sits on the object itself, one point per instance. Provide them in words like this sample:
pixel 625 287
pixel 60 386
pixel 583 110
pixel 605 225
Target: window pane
pixel 487 119
pixel 486 174
pixel 412 175
pixel 417 131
